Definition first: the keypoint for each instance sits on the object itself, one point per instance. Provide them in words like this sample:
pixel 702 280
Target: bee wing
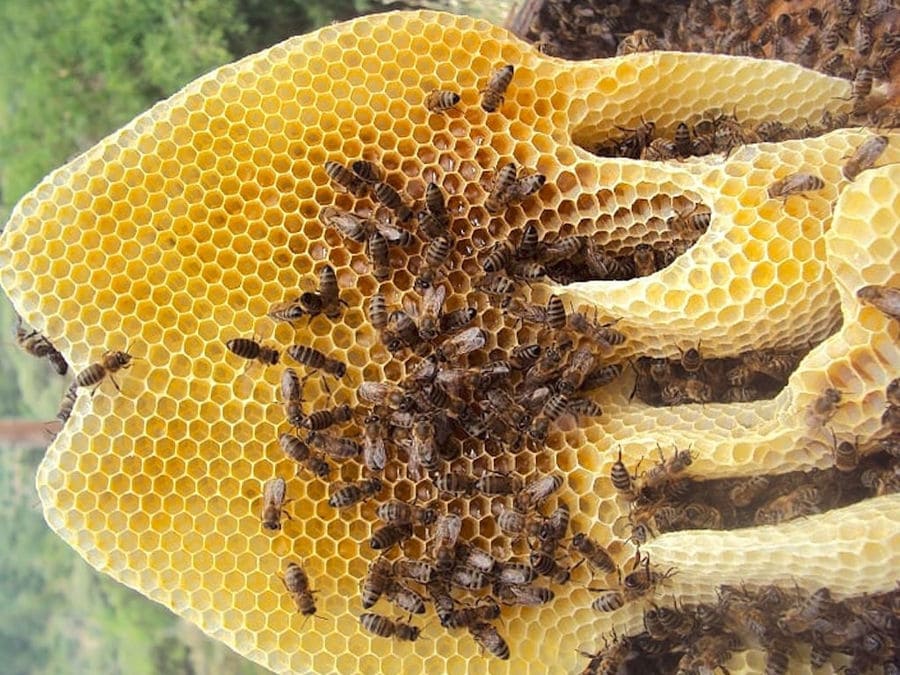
pixel 433 300
pixel 350 225
pixel 374 453
pixel 447 530
pixel 274 491
pixel 467 341
pixel 373 392
pixel 410 309
pixel 391 233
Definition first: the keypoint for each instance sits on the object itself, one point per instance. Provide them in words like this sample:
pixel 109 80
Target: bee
pixel 458 318
pixel 296 582
pixel 401 331
pixel 503 188
pixel 523 357
pixel 537 491
pixel 823 408
pixel 294 448
pixel 274 493
pixel 367 172
pixel 322 419
pixel 636 139
pixel 581 365
pixel 446 533
pixel 436 255
pixel 691 390
pixel 422 448
pixel 640 40
pixel 395 511
pixel 488 638
pixel 555 407
pixel 622 480
pixel 691 360
pixel 499 257
pixel 498 287
pixel 313 358
pixel 341 175
pixel 417 570
pixel 692 223
pixel 644 260
pixel 351 226
pixel 748 491
pixel 67 404
pixel 545 565
pixel 467 578
pixel 493 94
pixel 527 186
pixel 377 311
pixel 328 294
pixel 554 527
pixel 114 361
pixel 39 346
pixel 516 523
pixel 382 393
pixel 862 87
pixel 802 501
pixel 455 483
pixel 642 581
pixel 436 204
pixel 885 299
pixel 795 183
pixel 565 248
pixel 774 364
pixel 477 559
pixel 286 312
pixel 390 535
pixel 526 595
pixel 597 557
pixel 379 257
pixel 600 265
pixel 318 466
pixel 497 484
pixel 846 455
pixel 515 573
pixel 529 244
pixel 441 100
pixel 387 196
pixel 384 627
pixel 348 494
pixel 609 600
pixel 338 448
pixel 248 349
pixel 864 157
pixel 461 344
pixel 690 517
pixel 376 582
pixel 374 451
pixel 665 622
pixel 406 599
pixel 486 610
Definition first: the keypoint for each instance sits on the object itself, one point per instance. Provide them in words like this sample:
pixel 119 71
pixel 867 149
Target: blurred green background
pixel 71 72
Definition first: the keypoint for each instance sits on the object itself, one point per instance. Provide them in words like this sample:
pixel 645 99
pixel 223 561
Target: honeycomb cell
pixel 221 220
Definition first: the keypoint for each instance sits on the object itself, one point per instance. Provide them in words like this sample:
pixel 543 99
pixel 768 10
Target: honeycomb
pixel 180 231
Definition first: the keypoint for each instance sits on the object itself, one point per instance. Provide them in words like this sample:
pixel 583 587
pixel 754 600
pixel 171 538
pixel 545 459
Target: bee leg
pixel 114 383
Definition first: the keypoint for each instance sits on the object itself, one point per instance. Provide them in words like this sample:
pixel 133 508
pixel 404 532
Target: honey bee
pixel 581 365
pixel 406 599
pixel 527 595
pixel 458 318
pixel 296 582
pixel 395 511
pixel 455 483
pixel 379 256
pixel 387 196
pixel 564 248
pixel 502 189
pixel 245 348
pixel 274 499
pixel 692 223
pixel 367 171
pixel 486 610
pixel 544 564
pixel 318 466
pixel 344 177
pixel 846 455
pixel 338 448
pixel 322 419
pixel 67 404
pixel 642 580
pixel 499 288
pixel 515 573
pixel 294 448
pixel 476 558
pixel 446 533
pixel 313 358
pixel 384 627
pixel 493 94
pixel 382 393
pixel 529 244
pixel 691 360
pixel 527 186
pixel 376 582
pixel 422 448
pixel 554 527
pixel 441 100
pixel 401 331
pixel 516 523
pixel 802 501
pixel 436 204
pixel 390 535
pixel 467 578
pixel 436 255
pixel 461 344
pixel 622 480
pixel 885 299
pixel 693 516
pixel 636 139
pixel 348 494
pixel 418 570
pixel 351 226
pixel 644 260
pixel 114 361
pixel 795 183
pixel 286 312
pixel 537 491
pixel 823 408
pixel 748 491
pixel 489 639
pixel 597 557
pixel 374 451
pixel 36 344
pixel 499 257
pixel 555 407
pixel 864 157
pixel 609 600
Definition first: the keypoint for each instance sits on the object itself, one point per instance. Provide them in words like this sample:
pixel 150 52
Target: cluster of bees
pixel 456 399
pixel 663 499
pixel 701 638
pixel 846 38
